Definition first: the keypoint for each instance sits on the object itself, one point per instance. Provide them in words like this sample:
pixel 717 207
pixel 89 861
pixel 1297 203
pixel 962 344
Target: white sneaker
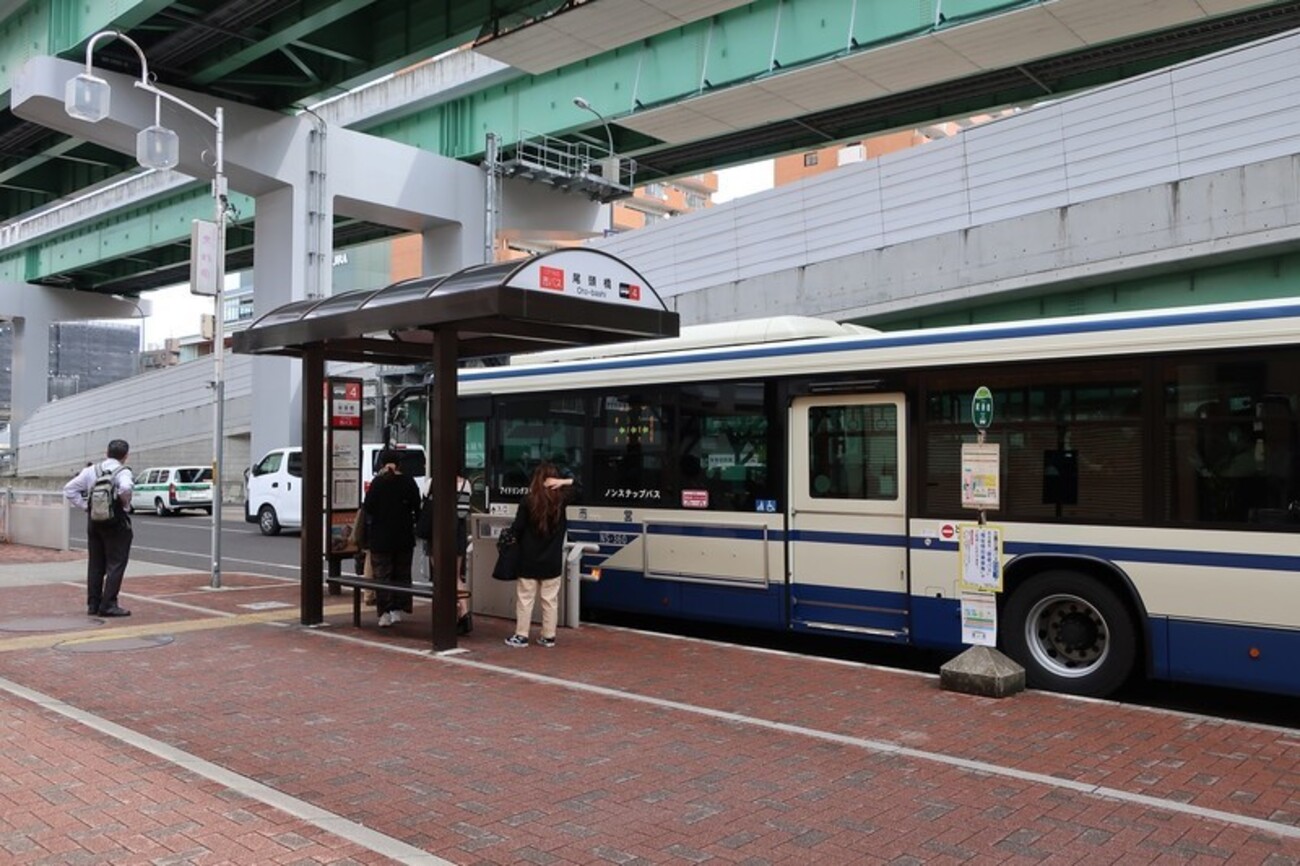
pixel 385 620
pixel 394 616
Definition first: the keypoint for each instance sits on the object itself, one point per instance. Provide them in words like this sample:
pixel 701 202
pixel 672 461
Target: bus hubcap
pixel 1066 635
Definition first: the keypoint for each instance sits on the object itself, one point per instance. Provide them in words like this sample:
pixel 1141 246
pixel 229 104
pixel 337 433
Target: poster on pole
pixel 979 552
pixel 341 540
pixel 979 619
pixel 980 475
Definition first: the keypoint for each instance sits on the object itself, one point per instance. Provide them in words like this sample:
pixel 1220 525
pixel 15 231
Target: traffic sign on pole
pixel 981 408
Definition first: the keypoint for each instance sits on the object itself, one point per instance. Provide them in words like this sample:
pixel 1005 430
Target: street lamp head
pixel 582 103
pixel 157 147
pixel 87 97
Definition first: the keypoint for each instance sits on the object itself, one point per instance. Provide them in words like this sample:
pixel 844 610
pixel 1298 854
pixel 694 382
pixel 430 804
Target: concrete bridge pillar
pixel 279 277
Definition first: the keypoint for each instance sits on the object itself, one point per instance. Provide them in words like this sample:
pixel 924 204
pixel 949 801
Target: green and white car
pixel 168 489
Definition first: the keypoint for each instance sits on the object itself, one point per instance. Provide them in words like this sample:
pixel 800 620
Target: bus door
pixel 847 544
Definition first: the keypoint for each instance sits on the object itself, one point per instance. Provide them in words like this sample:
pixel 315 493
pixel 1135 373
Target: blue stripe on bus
pixel 1204 558
pixel 691 530
pixel 1046 328
pixel 859 538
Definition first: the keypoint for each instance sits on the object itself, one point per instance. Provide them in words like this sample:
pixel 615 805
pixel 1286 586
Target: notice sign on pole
pixel 343 469
pixel 203 258
pixel 979 551
pixel 345 403
pixel 980 478
pixel 979 618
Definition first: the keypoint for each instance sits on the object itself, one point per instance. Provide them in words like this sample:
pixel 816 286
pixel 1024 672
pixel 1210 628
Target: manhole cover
pixel 114 644
pixel 49 623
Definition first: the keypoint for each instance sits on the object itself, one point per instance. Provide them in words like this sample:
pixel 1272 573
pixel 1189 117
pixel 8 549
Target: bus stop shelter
pixel 570 297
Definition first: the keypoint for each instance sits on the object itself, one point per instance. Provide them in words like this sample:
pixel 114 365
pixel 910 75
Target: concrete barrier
pixel 39 518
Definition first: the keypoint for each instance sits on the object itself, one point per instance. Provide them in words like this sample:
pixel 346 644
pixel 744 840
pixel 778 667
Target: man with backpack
pixel 103 491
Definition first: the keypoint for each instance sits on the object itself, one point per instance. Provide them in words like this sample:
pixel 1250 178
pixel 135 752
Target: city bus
pixel 806 476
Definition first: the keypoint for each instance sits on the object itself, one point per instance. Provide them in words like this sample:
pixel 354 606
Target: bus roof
pixel 774 329
pixel 1268 322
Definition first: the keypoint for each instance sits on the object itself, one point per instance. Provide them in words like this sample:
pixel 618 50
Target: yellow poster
pixel 979 551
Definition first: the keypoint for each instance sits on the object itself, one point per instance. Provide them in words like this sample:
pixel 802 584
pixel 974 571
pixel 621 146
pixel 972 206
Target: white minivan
pixel 274 497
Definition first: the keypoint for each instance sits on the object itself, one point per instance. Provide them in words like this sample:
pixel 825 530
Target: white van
pixel 274 489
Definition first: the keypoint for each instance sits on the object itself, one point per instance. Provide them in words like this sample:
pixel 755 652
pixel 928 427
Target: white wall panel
pixel 845 214
pixel 1006 175
pixel 164 415
pixel 924 191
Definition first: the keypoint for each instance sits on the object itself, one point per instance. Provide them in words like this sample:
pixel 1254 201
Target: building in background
pixel 85 355
pixel 800 166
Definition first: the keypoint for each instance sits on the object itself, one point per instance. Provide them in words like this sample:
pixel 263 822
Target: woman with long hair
pixel 540 526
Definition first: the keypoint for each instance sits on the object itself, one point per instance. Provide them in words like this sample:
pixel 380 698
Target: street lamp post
pixel 609 136
pixel 157 147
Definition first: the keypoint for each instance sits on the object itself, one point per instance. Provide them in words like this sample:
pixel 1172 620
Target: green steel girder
pixel 329 12
pixel 57 27
pixel 69 164
pixel 741 45
pixel 157 267
pixel 762 39
pixel 126 233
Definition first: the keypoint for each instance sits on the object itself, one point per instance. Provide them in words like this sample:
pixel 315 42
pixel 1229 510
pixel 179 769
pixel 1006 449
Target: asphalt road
pixel 185 540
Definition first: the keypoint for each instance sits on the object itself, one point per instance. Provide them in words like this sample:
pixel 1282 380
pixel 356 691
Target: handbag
pixel 507 567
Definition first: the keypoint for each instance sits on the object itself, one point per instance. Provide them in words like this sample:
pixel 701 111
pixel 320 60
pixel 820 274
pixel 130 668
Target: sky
pixel 742 180
pixel 176 313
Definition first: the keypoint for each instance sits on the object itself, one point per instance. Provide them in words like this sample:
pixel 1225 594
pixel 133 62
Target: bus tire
pixel 267 521
pixel 1071 634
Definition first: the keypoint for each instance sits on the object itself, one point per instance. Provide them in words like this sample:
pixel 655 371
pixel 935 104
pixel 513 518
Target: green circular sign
pixel 981 408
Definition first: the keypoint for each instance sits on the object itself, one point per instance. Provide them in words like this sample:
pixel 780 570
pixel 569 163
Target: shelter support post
pixel 443 439
pixel 311 552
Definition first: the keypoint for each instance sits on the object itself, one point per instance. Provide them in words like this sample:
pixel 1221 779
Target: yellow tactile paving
pixel 48 640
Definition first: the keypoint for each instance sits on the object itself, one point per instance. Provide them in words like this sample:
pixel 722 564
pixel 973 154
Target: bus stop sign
pixel 981 408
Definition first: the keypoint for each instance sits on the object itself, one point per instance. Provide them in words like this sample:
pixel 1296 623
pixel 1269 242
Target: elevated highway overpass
pixel 1178 187
pixel 683 85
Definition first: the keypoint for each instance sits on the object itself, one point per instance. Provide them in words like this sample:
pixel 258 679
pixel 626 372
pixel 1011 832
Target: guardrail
pixel 39 518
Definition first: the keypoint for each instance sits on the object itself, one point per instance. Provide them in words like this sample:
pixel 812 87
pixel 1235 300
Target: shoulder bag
pixel 507 567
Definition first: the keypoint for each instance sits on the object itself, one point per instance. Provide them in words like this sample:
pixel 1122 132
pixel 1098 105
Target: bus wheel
pixel 1071 634
pixel 267 521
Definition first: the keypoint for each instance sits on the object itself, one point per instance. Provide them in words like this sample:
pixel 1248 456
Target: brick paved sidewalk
pixel 618 747
pixel 71 795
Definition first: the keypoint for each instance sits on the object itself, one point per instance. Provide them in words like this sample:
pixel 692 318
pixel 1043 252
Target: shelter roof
pixel 569 297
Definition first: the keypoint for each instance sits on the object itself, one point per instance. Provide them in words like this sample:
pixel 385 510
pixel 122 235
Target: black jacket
pixel 541 557
pixel 392 504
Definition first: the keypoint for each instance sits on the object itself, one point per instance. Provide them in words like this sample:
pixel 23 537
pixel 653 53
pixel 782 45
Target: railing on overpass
pixel 570 166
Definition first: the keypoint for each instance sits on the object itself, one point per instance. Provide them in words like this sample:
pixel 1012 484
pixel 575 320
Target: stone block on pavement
pixel 982 670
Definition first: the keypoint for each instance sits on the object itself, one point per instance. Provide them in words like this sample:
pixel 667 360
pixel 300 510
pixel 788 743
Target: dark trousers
pixel 108 550
pixel 392 567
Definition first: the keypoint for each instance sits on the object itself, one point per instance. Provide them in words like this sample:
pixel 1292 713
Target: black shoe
pixel 115 611
pixel 92 610
pixel 463 625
